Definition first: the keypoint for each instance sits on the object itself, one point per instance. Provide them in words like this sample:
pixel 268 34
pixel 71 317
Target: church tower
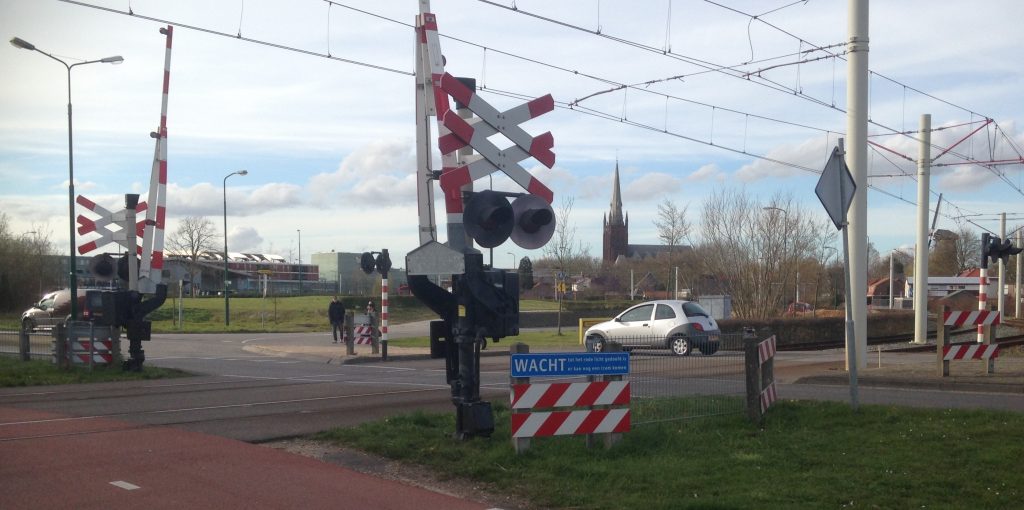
pixel 616 225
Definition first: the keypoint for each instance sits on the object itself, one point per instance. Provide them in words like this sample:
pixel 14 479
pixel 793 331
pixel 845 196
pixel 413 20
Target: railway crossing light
pixel 490 220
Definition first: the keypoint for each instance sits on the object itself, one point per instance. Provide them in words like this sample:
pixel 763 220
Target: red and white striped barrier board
pixel 363 335
pixel 546 395
pixel 766 350
pixel 768 397
pixel 972 318
pixel 563 423
pixel 971 351
pixel 101 351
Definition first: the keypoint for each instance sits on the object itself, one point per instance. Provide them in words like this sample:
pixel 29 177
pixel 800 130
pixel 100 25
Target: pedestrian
pixel 336 314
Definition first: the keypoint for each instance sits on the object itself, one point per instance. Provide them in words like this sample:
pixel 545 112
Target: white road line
pixel 125 485
pixel 396 369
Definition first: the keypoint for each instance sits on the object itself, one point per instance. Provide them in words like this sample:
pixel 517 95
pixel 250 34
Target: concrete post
pixel 921 253
pixel 521 444
pixel 941 339
pixel 349 329
pixel 752 368
pixel 610 439
pixel 856 160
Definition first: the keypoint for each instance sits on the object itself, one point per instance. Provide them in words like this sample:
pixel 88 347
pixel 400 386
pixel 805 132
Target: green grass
pixel 14 372
pixel 806 455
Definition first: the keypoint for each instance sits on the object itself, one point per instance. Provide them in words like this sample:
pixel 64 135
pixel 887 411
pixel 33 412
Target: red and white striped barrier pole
pixel 384 316
pixel 982 300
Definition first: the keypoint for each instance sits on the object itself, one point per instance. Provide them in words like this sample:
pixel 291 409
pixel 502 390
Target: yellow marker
pixel 462 311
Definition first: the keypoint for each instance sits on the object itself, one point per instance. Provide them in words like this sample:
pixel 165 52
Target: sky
pixel 328 143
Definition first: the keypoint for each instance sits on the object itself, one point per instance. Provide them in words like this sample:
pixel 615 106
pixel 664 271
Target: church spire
pixel 615 215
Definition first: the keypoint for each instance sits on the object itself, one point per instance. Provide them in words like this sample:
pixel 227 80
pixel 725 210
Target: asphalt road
pixel 303 388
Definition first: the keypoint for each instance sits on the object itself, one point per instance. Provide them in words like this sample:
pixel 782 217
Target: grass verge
pixel 806 455
pixel 14 372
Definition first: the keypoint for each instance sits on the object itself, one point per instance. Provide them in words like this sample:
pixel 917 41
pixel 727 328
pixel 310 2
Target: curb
pixel 947 384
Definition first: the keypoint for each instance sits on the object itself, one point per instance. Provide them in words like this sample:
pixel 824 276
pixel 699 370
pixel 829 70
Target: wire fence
pixel 666 386
pixel 37 344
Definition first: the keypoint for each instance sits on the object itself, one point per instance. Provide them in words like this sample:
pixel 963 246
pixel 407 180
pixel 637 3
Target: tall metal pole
pixel 300 260
pixel 73 269
pixel 17 42
pixel 856 160
pixel 921 258
pixel 227 301
pixel 1000 292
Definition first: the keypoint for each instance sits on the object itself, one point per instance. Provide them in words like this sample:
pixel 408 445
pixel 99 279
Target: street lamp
pixel 227 305
pixel 300 260
pixel 513 255
pixel 73 265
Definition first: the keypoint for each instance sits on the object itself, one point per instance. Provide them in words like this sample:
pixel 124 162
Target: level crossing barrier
pixel 598 408
pixel 760 373
pixel 985 351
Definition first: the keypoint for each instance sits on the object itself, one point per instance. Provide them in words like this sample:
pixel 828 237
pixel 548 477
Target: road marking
pixel 125 485
pixel 396 369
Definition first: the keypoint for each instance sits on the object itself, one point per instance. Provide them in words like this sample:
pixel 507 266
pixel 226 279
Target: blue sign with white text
pixel 569 364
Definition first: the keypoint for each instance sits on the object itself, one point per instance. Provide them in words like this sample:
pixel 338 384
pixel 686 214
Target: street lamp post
pixel 227 305
pixel 300 260
pixel 513 255
pixel 72 263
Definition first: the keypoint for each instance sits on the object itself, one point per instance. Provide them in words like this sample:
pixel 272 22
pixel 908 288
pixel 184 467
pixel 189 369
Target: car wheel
pixel 680 345
pixel 28 325
pixel 599 345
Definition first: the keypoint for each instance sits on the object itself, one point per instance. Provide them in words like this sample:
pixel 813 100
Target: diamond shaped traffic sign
pixel 836 188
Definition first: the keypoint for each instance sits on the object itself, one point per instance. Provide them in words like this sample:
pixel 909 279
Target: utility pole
pixel 1020 257
pixel 856 160
pixel 921 258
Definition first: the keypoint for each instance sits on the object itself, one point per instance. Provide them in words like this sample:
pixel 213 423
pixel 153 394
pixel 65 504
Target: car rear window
pixel 664 312
pixel 694 310
pixel 640 313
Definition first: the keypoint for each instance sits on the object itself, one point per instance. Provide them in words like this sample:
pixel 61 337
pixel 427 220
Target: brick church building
pixel 616 232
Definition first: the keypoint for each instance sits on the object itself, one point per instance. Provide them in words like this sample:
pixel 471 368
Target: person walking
pixel 336 314
pixel 371 319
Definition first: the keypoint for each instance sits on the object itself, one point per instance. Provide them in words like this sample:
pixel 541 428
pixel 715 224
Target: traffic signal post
pixel 483 302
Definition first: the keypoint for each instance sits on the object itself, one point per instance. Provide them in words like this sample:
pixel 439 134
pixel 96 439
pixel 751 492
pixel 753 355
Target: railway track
pixel 898 339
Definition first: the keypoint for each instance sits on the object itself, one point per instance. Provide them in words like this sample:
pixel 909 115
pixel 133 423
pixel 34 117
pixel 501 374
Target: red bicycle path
pixel 52 461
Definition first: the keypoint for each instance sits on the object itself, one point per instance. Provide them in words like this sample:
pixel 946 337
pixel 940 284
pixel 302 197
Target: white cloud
pixel 651 185
pixel 809 153
pixel 384 168
pixel 244 239
pixel 967 177
pixel 707 173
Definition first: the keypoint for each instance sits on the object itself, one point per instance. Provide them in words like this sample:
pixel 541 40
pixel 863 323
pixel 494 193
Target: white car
pixel 664 324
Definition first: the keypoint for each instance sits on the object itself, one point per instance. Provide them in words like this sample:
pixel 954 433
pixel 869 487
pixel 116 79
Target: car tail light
pixel 697 326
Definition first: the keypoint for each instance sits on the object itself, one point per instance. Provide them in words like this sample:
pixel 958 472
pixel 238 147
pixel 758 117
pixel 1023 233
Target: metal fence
pixel 666 386
pixel 35 344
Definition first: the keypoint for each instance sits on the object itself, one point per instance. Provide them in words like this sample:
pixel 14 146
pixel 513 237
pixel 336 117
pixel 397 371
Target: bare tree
pixel 194 236
pixel 564 249
pixel 672 227
pixel 28 265
pixel 755 250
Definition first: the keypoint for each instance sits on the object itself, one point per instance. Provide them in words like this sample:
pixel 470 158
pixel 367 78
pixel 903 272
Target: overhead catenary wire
pixel 397 71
